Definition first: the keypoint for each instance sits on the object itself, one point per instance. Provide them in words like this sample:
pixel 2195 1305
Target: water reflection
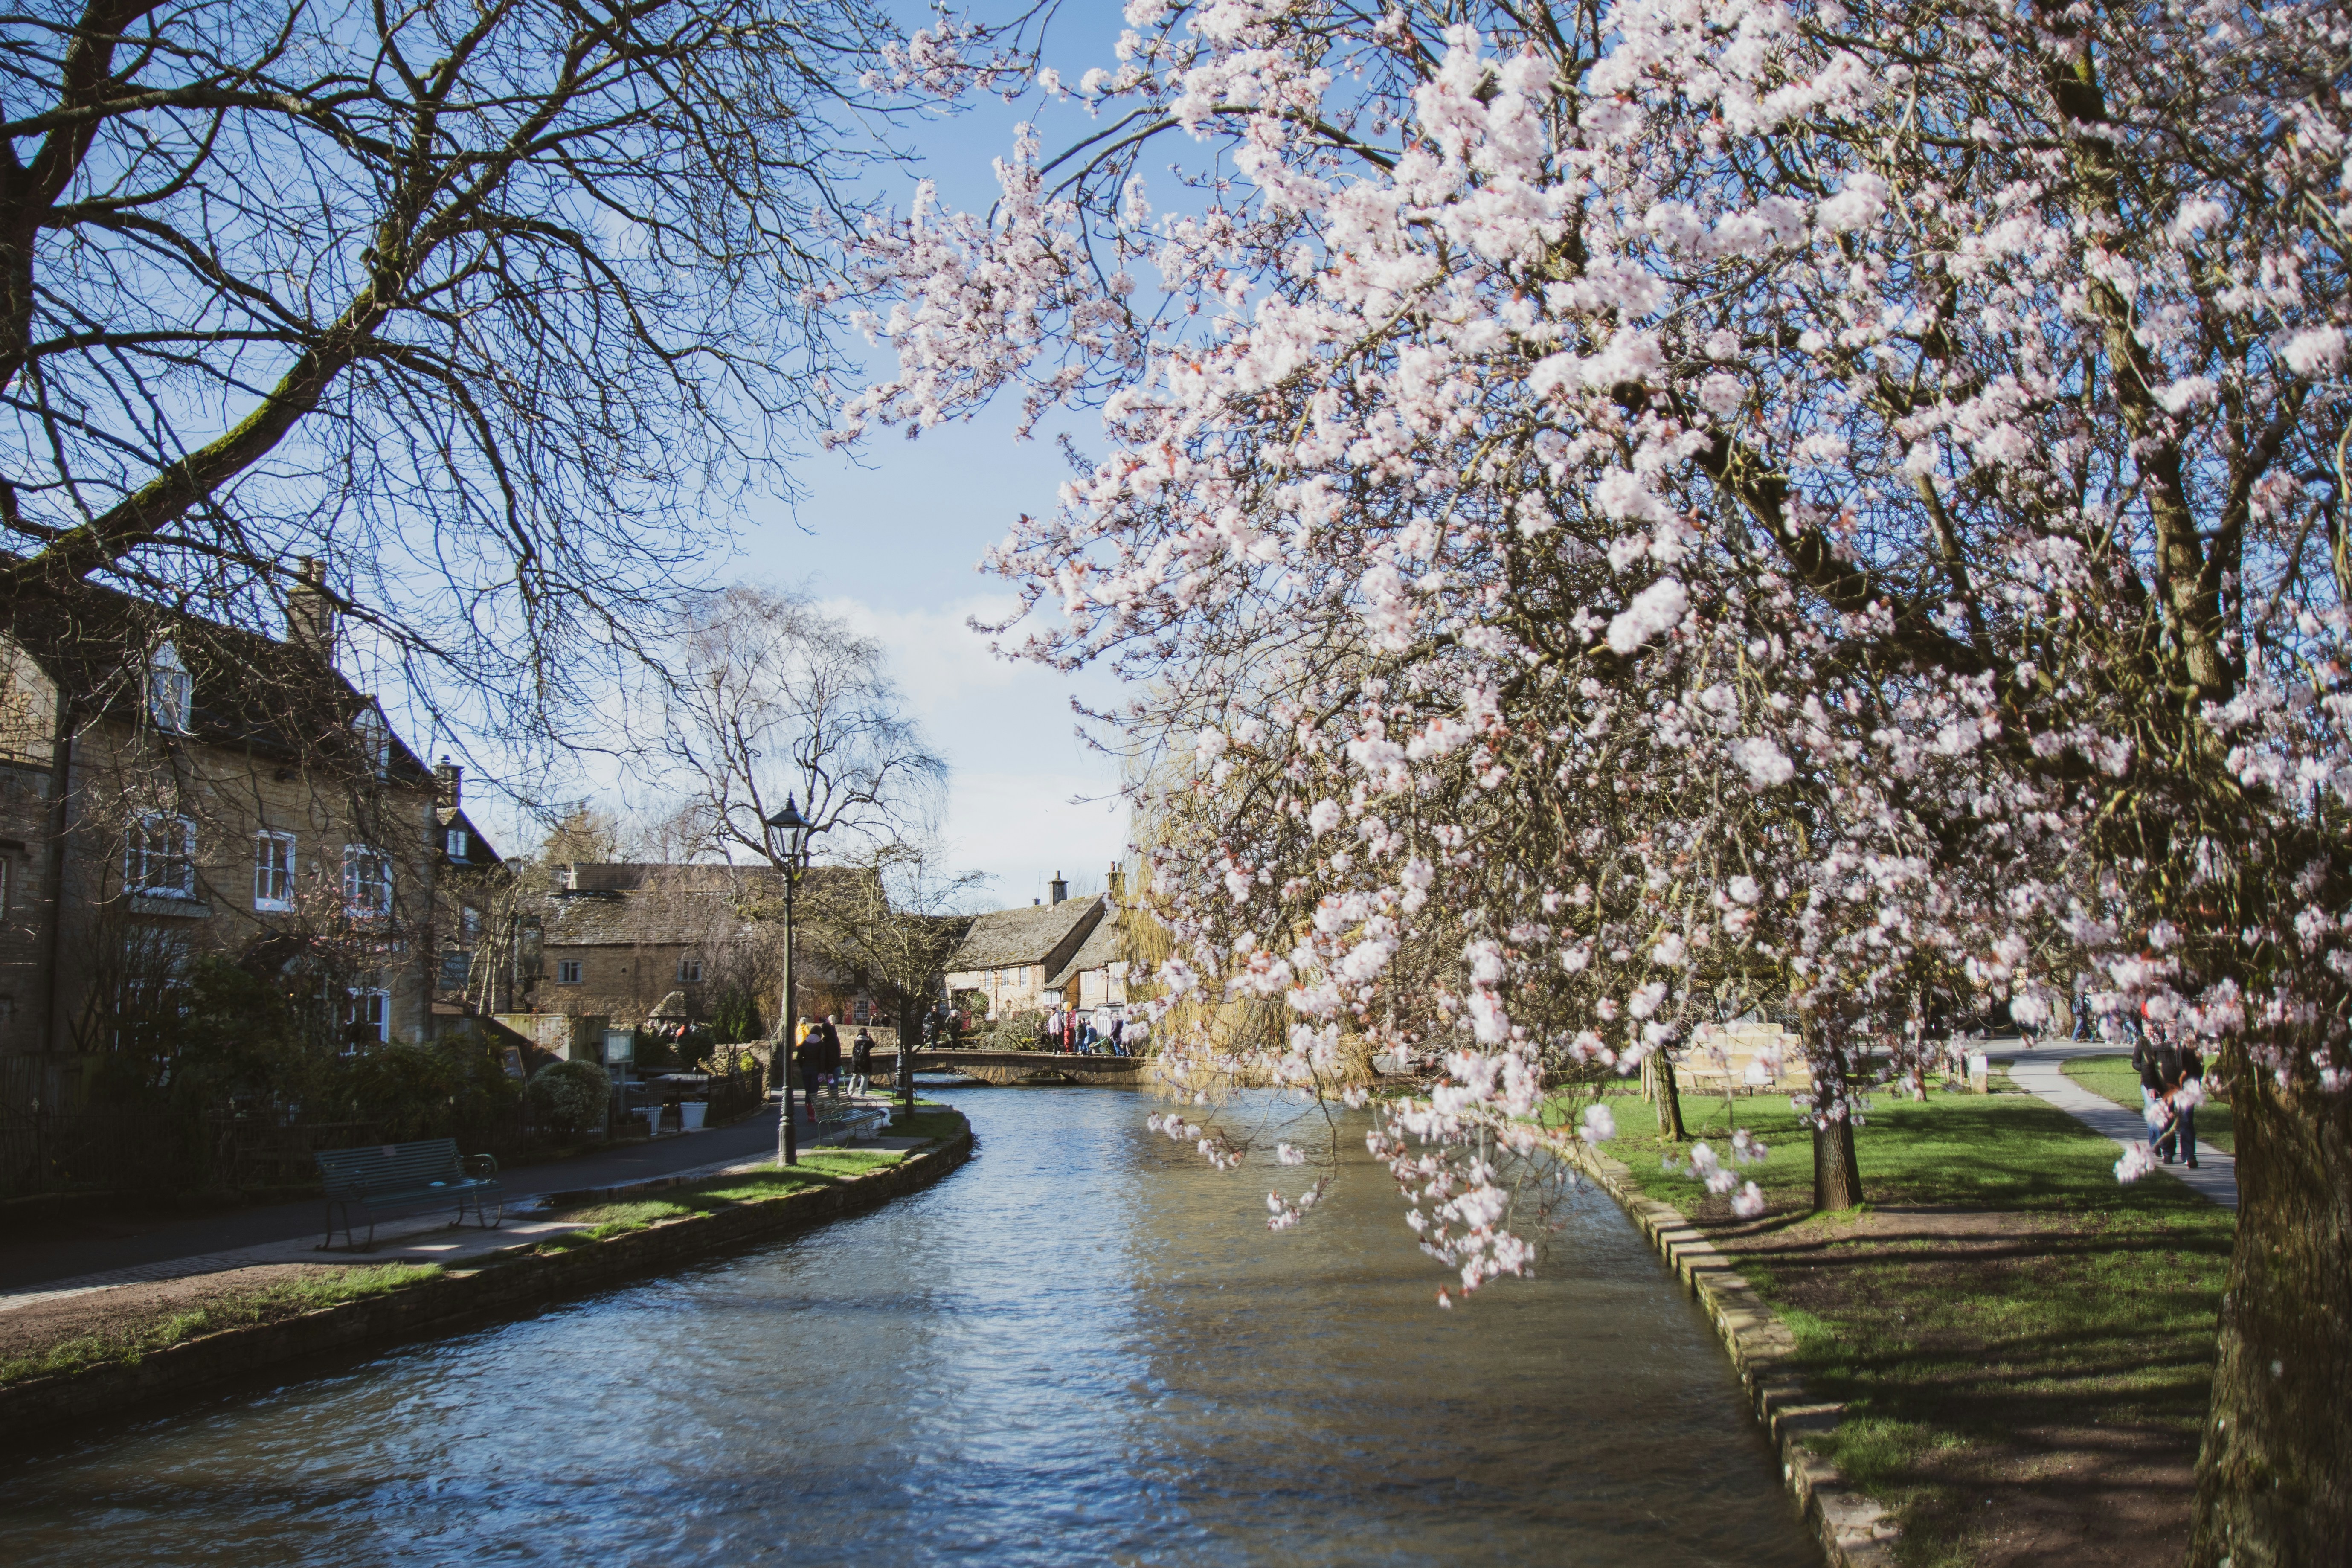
pixel 1082 1347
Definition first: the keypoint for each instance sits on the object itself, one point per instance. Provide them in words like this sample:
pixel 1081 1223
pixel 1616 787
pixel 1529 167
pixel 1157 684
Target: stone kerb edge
pixel 512 1285
pixel 1854 1531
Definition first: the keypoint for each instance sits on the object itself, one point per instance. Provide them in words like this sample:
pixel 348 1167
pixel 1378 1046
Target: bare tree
pixel 486 303
pixel 763 697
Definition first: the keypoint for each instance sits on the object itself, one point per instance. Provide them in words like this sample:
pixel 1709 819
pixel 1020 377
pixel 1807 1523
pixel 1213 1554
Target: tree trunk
pixel 1837 1174
pixel 1670 1099
pixel 2275 1477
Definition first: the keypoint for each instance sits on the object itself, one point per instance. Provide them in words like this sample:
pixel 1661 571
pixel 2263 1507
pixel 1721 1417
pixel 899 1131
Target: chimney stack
pixel 449 783
pixel 309 613
pixel 1061 889
pixel 1117 884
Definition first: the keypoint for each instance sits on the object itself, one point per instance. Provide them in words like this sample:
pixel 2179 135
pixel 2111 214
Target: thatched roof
pixel 1040 933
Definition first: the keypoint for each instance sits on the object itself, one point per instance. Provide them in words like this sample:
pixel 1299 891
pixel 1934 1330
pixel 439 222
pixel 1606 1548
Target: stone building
pixel 170 786
pixel 476 915
pixel 1012 960
pixel 631 944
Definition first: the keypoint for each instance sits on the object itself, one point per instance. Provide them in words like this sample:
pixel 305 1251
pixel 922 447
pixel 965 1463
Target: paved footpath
pixel 2036 1071
pixel 243 1239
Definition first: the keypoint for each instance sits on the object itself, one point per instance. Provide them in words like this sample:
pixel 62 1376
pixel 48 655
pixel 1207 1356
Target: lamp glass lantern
pixel 787 832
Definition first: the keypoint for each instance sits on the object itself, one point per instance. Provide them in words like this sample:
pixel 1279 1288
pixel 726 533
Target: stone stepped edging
pixel 1854 1531
pixel 514 1286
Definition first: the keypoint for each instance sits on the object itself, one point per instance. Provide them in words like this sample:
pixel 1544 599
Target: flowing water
pixel 1082 1347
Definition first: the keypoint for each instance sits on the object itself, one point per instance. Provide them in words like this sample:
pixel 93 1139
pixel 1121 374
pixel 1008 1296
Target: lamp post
pixel 788 833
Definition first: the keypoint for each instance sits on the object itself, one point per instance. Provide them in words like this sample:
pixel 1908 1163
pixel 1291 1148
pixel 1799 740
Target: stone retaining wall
pixel 1854 1531
pixel 509 1286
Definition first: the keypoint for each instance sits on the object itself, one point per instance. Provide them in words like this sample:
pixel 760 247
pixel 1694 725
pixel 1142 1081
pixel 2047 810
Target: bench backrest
pixel 379 1167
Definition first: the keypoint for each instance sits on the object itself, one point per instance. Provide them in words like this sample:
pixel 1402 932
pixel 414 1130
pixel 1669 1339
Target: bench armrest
pixel 479 1165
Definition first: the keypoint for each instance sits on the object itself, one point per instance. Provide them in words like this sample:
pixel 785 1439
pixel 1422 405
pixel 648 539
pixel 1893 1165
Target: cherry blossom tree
pixel 1683 506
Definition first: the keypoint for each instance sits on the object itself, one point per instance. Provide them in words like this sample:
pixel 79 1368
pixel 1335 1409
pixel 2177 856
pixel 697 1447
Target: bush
pixel 570 1097
pixel 1015 1032
pixel 408 1091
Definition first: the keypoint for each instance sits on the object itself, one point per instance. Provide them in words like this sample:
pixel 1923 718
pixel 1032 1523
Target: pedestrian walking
pixel 1118 1036
pixel 829 1032
pixel 1053 1027
pixel 861 1061
pixel 808 1058
pixel 2180 1065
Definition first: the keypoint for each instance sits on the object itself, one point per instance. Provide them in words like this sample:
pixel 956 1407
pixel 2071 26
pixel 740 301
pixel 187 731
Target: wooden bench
pixel 406 1175
pixel 832 1106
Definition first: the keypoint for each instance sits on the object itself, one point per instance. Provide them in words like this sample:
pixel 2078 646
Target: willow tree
pixel 1926 417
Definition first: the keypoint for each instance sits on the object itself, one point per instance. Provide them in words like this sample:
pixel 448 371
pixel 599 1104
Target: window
pixel 861 1010
pixel 374 741
pixel 367 882
pixel 567 971
pixel 171 694
pixel 369 1017
pixel 469 925
pixel 273 871
pixel 455 844
pixel 690 970
pixel 162 857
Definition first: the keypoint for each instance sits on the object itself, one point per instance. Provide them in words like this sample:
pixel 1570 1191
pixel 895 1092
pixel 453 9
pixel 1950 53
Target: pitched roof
pixel 640 903
pixel 247 690
pixel 480 850
pixel 1032 935
pixel 1105 945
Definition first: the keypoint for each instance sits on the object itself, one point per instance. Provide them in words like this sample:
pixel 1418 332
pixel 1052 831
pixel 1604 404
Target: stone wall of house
pixel 233 799
pixel 1014 989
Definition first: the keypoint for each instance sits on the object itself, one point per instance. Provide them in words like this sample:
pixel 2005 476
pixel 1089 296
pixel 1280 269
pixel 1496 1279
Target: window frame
pixel 139 856
pixel 690 969
pixel 267 903
pixel 372 734
pixel 360 998
pixel 568 972
pixel 457 844
pixel 355 858
pixel 171 691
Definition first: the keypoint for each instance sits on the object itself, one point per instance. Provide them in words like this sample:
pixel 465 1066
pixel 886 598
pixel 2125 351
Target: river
pixel 1082 1347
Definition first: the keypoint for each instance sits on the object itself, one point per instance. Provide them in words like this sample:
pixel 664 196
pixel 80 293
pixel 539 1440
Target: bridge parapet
pixel 1018 1067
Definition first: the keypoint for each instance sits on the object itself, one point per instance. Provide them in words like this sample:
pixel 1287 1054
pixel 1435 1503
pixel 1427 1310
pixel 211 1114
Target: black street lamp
pixel 788 832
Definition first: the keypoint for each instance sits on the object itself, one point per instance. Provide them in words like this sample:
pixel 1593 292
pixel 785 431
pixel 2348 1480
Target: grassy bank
pixel 271 1303
pixel 1998 1310
pixel 2113 1078
pixel 120 1327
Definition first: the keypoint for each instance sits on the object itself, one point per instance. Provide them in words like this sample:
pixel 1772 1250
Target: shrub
pixel 1015 1032
pixel 569 1097
pixel 406 1090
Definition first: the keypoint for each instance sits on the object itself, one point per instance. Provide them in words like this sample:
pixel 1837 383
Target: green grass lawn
pixel 818 1167
pixel 1996 1290
pixel 267 1304
pixel 2113 1078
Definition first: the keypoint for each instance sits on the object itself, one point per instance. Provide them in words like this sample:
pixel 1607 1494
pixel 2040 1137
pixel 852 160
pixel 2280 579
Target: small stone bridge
pixel 1020 1066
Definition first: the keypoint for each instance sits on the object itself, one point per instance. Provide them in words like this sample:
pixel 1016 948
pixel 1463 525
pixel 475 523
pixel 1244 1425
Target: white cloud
pixel 1016 761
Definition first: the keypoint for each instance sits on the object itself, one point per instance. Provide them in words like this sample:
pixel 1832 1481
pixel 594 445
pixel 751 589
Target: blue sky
pixel 890 534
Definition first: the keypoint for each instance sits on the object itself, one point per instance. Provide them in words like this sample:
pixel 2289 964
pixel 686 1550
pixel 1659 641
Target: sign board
pixel 620 1046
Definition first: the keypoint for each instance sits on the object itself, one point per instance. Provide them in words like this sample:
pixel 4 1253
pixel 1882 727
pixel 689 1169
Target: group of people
pixel 2171 1075
pixel 817 1053
pixel 1105 1031
pixel 2168 1066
